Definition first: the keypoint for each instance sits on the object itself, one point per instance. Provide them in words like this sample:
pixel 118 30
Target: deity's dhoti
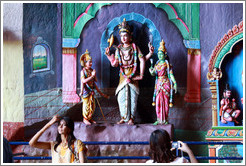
pixel 89 106
pixel 127 99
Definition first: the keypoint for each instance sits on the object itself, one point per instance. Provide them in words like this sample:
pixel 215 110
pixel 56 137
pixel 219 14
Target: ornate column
pixel 69 75
pixel 193 94
pixel 213 89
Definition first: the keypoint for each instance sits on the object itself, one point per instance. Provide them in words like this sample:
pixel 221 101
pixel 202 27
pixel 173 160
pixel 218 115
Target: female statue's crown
pixel 162 46
pixel 124 27
pixel 85 57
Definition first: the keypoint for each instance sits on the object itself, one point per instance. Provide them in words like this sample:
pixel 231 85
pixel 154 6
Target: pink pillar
pixel 69 75
pixel 193 94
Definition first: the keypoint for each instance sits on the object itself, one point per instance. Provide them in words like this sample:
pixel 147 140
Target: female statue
pixel 164 85
pixel 125 57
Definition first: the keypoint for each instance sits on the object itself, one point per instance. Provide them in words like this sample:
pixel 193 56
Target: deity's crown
pixel 85 57
pixel 162 46
pixel 227 88
pixel 124 27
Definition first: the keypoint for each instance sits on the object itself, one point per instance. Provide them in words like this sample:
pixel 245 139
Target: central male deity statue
pixel 126 56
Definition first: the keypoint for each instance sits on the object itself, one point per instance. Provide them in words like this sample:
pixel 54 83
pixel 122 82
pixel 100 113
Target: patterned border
pixel 225 133
pixel 224 46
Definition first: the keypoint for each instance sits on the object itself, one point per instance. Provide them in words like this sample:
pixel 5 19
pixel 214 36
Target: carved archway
pixel 93 8
pixel 224 46
pixel 76 15
pixel 221 50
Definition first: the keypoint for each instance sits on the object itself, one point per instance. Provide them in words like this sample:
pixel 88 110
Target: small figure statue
pixel 164 85
pixel 216 74
pixel 228 110
pixel 125 57
pixel 88 79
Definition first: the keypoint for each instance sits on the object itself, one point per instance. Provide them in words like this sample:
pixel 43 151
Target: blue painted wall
pixel 232 68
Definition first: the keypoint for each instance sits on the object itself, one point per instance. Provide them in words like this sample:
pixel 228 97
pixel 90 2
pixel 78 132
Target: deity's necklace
pixel 126 57
pixel 128 78
pixel 125 48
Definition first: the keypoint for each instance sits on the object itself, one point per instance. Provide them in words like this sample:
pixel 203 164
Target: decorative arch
pixel 224 46
pixel 76 15
pixel 221 50
pixel 110 30
pixel 173 16
pixel 93 8
pixel 90 13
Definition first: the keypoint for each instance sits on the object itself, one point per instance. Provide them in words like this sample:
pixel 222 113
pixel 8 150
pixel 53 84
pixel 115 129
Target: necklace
pixel 126 57
pixel 128 78
pixel 63 153
pixel 126 48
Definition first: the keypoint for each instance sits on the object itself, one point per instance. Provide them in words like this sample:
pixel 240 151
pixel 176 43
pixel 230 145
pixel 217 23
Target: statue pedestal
pixel 107 133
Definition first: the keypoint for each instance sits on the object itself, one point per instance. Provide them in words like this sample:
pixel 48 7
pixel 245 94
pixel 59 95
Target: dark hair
pixel 71 138
pixel 160 147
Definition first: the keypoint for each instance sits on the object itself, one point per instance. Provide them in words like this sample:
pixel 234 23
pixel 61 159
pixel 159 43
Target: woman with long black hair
pixel 66 148
pixel 161 149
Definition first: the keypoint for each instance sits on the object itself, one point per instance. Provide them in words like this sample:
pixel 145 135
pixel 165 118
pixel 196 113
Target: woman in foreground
pixel 66 148
pixel 161 149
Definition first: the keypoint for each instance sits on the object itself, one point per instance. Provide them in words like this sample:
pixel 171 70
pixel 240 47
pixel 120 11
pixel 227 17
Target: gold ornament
pixel 124 27
pixel 85 57
pixel 111 41
pixel 162 46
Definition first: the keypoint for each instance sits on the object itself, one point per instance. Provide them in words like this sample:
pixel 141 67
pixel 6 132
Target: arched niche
pixel 154 37
pixel 223 58
pixel 77 15
pixel 92 8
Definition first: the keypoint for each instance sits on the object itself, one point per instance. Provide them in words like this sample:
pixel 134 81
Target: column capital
pixel 70 42
pixel 192 51
pixel 193 44
pixel 69 50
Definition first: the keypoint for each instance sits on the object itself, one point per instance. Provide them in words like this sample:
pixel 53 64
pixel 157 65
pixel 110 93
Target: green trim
pixel 80 25
pixel 68 19
pixel 195 25
pixel 223 137
pixel 189 13
pixel 227 128
pixel 227 48
pixel 71 12
pixel 79 9
pixel 86 17
pixel 172 17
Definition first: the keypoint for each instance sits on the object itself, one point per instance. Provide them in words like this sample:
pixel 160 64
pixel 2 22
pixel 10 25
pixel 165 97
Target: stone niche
pixel 105 133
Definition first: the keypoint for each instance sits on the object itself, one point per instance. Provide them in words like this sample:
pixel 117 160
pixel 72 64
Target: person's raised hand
pixel 54 119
